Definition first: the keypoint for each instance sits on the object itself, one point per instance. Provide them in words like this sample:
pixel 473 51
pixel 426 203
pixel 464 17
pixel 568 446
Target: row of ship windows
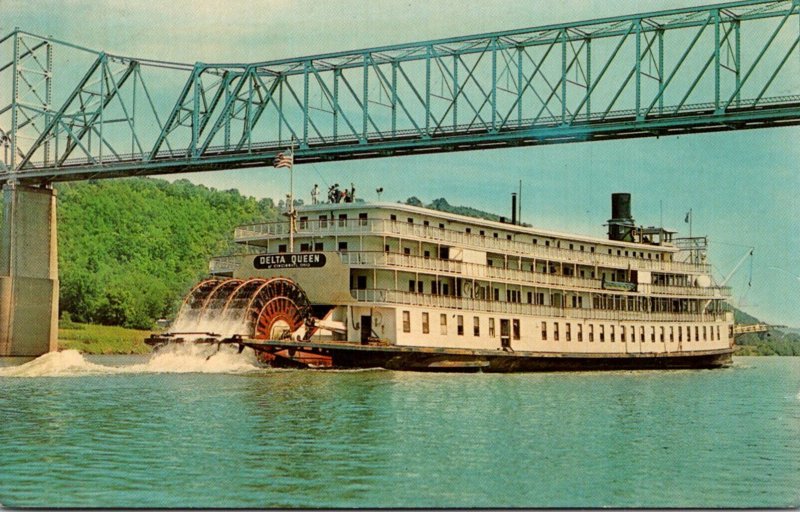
pixel 362 220
pixel 662 334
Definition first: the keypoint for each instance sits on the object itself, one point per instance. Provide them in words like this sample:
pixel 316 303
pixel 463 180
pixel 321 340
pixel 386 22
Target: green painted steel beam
pixel 476 91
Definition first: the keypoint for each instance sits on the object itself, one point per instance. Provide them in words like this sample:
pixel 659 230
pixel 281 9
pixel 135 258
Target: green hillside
pixel 128 250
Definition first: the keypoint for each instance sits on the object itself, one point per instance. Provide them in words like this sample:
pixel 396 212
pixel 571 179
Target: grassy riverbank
pixel 102 339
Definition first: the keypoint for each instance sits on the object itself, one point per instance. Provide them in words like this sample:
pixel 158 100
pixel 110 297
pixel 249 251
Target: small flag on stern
pixel 283 160
pixel 688 215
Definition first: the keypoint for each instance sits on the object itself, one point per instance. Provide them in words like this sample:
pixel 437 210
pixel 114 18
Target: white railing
pixel 477 271
pixel 450 302
pixel 711 291
pixel 459 238
pixel 462 269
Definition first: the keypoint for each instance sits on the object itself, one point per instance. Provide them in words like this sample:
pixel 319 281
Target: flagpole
pixel 291 202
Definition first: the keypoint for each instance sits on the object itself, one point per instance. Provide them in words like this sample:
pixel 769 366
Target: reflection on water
pixel 186 430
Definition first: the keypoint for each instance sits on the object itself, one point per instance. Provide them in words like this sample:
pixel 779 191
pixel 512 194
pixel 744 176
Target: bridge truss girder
pixel 718 67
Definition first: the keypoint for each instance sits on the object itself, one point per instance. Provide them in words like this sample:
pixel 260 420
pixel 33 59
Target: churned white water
pixel 178 358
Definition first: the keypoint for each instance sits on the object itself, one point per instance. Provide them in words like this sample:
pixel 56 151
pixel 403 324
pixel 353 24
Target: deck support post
pixel 28 271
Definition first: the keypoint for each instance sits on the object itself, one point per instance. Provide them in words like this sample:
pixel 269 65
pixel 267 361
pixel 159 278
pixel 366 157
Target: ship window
pixel 362 219
pixel 653 334
pixel 530 297
pixel 406 250
pixel 282 248
pixel 696 333
pixel 626 253
pixel 445 289
pixel 633 334
pixel 591 332
pixel 489 263
pixel 318 246
pixel 420 287
pixel 544 331
pixel 412 285
pixel 343 246
pixel 410 220
pixel 611 333
pixel 705 338
pixel 680 334
pixel 580 332
pixel 718 338
pixel 483 233
pixel 658 256
pixel 476 326
pixel 303 222
pixel 547 243
pixel 342 219
pixel 515 328
pixel 535 241
pixel 441 226
pixel 427 254
pixel 602 333
pixel 305 247
pixel 361 283
pixel 393 217
pixel 609 251
pixel 386 248
pixel 555 331
pixel 442 324
pixel 323 221
pixel 671 333
pixel 641 334
pixel 468 230
pixel 591 249
pixel 491 327
pixel 581 248
pixel 497 294
pixel 569 331
pixel 508 237
pixel 426 223
pixel 571 247
pixel 406 321
pixel 460 325
pixel 622 333
pixel 426 327
pixel 661 334
pixel 495 235
pixel 649 256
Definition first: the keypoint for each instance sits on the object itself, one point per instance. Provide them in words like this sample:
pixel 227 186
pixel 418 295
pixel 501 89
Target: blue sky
pixel 742 186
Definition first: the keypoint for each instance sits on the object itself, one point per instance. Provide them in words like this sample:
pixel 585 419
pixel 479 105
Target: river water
pixel 178 430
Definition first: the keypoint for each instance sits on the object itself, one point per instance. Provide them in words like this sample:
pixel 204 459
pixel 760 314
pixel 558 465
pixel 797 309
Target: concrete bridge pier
pixel 28 271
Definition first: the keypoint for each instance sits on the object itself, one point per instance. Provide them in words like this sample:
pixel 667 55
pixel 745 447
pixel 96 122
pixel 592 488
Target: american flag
pixel 283 160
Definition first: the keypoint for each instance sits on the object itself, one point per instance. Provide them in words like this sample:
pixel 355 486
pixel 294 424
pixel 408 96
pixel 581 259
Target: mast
pixel 292 212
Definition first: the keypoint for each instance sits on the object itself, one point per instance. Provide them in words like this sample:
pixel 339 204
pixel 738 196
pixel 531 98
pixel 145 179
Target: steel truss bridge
pixel 68 112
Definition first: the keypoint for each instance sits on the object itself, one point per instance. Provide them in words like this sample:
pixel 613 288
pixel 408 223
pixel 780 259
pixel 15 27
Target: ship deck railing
pixel 373 259
pixel 383 227
pixel 394 297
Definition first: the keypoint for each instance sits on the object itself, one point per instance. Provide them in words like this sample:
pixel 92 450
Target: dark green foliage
pixel 129 250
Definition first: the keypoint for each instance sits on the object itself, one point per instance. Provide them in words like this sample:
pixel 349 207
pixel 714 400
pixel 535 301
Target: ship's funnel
pixel 621 225
pixel 514 208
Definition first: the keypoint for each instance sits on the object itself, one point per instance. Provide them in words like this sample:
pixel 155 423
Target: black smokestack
pixel 514 208
pixel 621 225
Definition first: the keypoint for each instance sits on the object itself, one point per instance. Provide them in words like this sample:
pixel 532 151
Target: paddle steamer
pixel 390 285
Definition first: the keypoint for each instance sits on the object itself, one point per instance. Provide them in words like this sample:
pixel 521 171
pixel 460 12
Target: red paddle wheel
pixel 269 309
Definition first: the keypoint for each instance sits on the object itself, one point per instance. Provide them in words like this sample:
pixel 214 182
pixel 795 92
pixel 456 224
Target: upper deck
pixel 425 225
